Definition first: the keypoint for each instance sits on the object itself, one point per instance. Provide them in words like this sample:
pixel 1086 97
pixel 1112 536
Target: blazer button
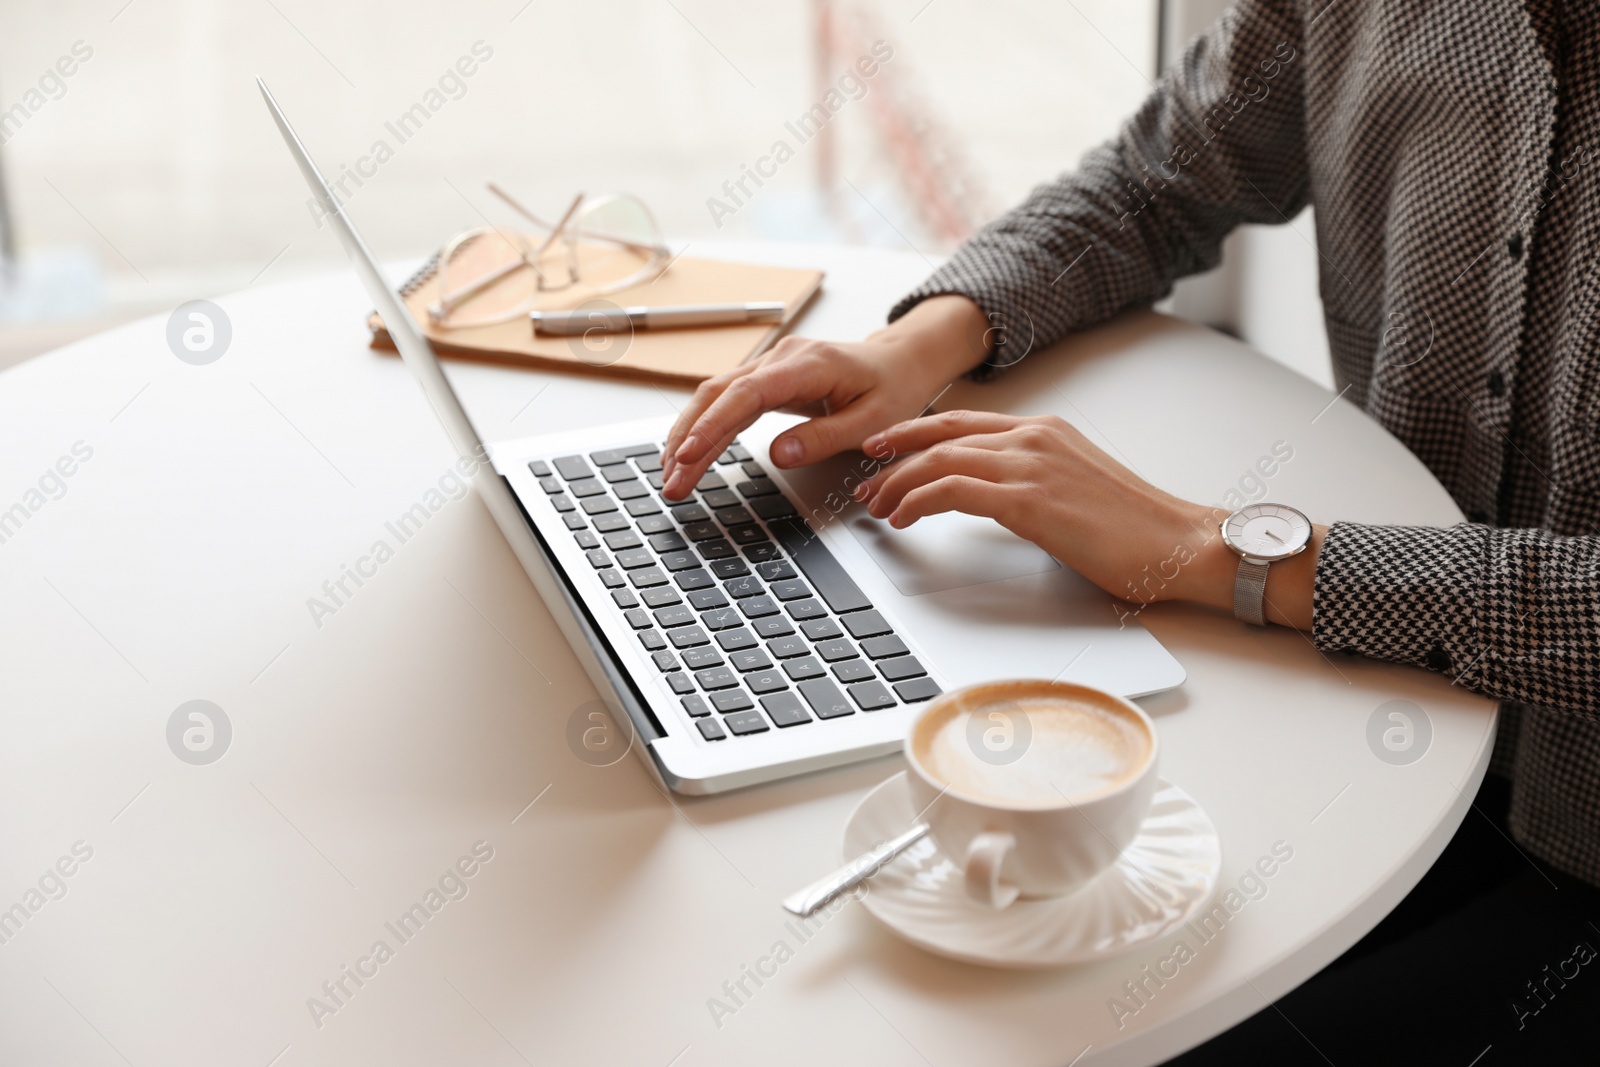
pixel 1514 246
pixel 1497 384
pixel 1437 660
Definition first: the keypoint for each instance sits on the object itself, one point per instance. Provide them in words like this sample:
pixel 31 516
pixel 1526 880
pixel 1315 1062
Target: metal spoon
pixel 853 873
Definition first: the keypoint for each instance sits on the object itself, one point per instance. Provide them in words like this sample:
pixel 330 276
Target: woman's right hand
pixel 850 390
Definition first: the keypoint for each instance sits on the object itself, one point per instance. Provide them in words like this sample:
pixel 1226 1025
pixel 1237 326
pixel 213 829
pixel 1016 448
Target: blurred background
pixel 150 174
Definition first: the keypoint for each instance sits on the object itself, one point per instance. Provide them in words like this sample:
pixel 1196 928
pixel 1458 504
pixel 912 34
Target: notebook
pixel 684 356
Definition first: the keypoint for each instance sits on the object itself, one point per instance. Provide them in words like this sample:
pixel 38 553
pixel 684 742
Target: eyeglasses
pixel 490 275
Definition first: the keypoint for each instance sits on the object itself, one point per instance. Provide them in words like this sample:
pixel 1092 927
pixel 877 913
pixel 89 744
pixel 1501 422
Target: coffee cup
pixel 1030 787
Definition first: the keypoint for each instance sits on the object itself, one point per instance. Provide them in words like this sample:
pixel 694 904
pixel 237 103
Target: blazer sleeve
pixel 1220 141
pixel 1513 614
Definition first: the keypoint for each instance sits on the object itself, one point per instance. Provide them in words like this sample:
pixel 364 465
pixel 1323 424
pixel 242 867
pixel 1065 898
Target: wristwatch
pixel 1261 534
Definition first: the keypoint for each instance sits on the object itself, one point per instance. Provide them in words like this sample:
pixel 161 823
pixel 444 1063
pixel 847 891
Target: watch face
pixel 1267 531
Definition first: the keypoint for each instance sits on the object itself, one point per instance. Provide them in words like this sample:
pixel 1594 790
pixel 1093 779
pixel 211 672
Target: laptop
pixel 759 629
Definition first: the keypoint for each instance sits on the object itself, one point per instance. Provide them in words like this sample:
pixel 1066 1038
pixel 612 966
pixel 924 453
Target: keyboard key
pixel 736 640
pixel 608 457
pixel 709 481
pixel 740 453
pixel 828 578
pixel 624 598
pixel 645 577
pixel 664 660
pixel 735 516
pixel 751 659
pixel 721 619
pixel 698 659
pixel 747 535
pixel 743 587
pixel 610 523
pixel 597 558
pixel 688 580
pixel 726 458
pixel 540 468
pixel 634 558
pixel 574 521
pixel 765 682
pixel 680 683
pixel 585 487
pixel 621 539
pixel 687 637
pixel 773 626
pixel 562 502
pixel 667 618
pixel 745 722
pixel 820 629
pixel 599 505
pixel 660 596
pixel 657 524
pixel 586 539
pixel 871 696
pixel 651 640
pixel 792 589
pixel 634 490
pixel 729 701
pixel 900 668
pixel 571 467
pixel 785 709
pixel 805 609
pixel 617 472
pixel 825 699
pixel 763 552
pixel 865 624
pixel 551 485
pixel 706 599
pixel 611 577
pixel 710 729
pixel 638 618
pixel 668 540
pixel 702 531
pixel 757 606
pixel 718 549
pixel 716 678
pixel 787 647
pixel 644 448
pixel 772 507
pixel 776 571
pixel 917 689
pixel 680 561
pixel 836 649
pixel 758 487
pixel 852 670
pixel 803 668
pixel 728 568
pixel 884 647
pixel 657 480
pixel 687 513
pixel 649 463
pixel 645 505
pixel 719 499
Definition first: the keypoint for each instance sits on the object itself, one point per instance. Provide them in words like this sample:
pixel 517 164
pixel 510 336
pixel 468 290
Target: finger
pixel 958 492
pixel 914 435
pixel 889 487
pixel 817 439
pixel 705 393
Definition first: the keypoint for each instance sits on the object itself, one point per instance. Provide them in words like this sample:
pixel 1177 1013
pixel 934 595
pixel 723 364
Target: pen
pixel 620 320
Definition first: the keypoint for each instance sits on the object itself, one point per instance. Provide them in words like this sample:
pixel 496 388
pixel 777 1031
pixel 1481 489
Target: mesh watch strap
pixel 1249 589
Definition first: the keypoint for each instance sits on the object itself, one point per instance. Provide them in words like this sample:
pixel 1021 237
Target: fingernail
pixel 787 452
pixel 690 443
pixel 872 444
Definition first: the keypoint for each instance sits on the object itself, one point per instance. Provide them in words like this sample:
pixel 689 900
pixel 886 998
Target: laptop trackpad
pixel 945 551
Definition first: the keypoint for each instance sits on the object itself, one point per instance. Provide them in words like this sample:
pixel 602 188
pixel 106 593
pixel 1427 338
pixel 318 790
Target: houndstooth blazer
pixel 1452 151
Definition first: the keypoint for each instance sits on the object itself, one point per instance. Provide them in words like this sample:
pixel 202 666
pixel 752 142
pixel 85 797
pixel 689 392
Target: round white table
pixel 399 774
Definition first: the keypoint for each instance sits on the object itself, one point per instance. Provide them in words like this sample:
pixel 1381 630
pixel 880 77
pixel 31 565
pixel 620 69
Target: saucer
pixel 1158 883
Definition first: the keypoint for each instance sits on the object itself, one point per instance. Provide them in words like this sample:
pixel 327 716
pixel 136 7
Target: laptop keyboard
pixel 744 611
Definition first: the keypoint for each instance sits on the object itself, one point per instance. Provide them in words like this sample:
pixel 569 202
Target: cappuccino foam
pixel 1074 749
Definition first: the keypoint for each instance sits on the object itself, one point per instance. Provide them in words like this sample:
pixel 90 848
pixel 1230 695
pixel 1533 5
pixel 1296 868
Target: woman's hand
pixel 850 390
pixel 1044 481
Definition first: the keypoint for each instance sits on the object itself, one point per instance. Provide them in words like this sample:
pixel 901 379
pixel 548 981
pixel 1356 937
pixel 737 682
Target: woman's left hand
pixel 1040 478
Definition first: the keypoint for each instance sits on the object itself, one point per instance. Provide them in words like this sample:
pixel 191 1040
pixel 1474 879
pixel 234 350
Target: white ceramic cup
pixel 1006 848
